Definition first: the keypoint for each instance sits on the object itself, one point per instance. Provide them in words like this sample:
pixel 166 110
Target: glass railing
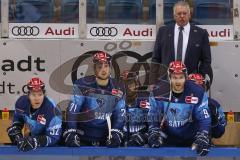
pixel 31 11
pixel 204 12
pixel 212 12
pixel 106 13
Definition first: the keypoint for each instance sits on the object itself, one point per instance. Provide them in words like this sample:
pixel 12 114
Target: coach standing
pixel 182 41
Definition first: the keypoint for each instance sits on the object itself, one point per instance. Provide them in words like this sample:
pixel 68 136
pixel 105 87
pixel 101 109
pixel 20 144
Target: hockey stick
pixel 207 80
pixel 109 127
pixel 168 104
pixel 127 123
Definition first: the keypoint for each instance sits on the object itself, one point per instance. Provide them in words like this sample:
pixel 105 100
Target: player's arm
pixel 154 114
pixel 117 123
pixel 74 107
pixel 53 132
pixel 54 129
pixel 219 128
pixel 71 134
pixel 202 115
pixel 155 117
pixel 118 115
pixel 15 131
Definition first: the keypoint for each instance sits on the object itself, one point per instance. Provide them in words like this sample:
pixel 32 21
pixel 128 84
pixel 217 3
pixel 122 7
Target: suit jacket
pixel 198 54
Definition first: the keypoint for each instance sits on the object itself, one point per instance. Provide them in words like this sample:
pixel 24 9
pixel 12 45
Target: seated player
pixel 218 118
pixel 95 115
pixel 41 116
pixel 183 115
pixel 137 106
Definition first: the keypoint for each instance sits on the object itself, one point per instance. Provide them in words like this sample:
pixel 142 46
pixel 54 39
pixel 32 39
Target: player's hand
pixel 115 140
pixel 137 139
pixel 156 137
pixel 201 144
pixel 15 134
pixel 27 144
pixel 72 140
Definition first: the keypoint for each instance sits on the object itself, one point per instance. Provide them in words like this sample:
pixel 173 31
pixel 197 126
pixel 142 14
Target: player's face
pixel 178 81
pixel 102 71
pixel 36 98
pixel 182 15
pixel 131 88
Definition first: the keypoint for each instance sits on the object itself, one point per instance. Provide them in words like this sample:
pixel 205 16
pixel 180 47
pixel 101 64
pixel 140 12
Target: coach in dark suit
pixel 182 41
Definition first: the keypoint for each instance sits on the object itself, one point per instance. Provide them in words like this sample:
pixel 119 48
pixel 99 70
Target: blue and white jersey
pixel 183 116
pixel 137 116
pixel 46 120
pixel 91 104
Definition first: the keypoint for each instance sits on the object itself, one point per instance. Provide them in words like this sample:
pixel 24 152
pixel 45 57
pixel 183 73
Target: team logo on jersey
pixel 177 124
pixel 41 119
pixel 144 104
pixel 174 111
pixel 175 100
pixel 102 116
pixel 100 101
pixel 191 99
pixel 117 92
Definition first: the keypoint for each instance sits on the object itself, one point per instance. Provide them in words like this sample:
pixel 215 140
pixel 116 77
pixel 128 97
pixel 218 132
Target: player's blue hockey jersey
pixel 184 116
pixel 136 117
pixel 219 129
pixel 46 120
pixel 91 104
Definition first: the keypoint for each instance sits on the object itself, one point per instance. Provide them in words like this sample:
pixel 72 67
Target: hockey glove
pixel 115 139
pixel 15 134
pixel 201 143
pixel 156 137
pixel 72 138
pixel 138 139
pixel 27 144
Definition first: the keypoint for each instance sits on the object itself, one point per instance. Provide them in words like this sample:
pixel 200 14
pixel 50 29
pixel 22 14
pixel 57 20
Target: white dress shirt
pixel 186 32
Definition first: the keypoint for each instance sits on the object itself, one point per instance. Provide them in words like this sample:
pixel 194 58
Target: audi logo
pixel 103 31
pixel 25 30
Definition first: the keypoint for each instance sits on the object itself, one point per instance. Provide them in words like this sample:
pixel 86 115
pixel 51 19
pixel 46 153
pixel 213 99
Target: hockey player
pixel 96 101
pixel 41 116
pixel 184 116
pixel 218 118
pixel 137 106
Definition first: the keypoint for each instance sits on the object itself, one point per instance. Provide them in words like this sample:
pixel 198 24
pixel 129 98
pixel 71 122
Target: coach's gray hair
pixel 181 3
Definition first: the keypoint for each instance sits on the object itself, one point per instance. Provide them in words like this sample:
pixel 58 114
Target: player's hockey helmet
pixel 36 84
pixel 101 57
pixel 197 78
pixel 177 67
